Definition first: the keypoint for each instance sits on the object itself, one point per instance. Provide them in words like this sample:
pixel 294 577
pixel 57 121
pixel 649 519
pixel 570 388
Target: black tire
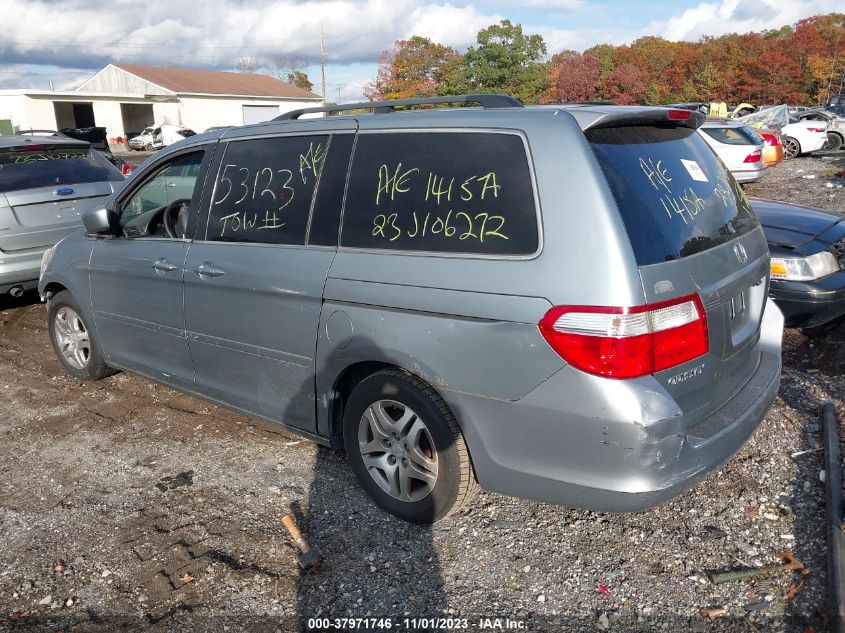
pixel 92 362
pixel 455 482
pixel 834 141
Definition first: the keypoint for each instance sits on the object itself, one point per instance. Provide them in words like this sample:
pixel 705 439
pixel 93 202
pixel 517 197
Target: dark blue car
pixel 808 264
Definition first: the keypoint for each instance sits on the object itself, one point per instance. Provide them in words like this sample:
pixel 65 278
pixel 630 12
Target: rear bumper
pixel 20 269
pixel 606 445
pixel 749 175
pixel 807 304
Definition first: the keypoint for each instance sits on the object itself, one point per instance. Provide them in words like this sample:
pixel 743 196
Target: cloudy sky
pixel 65 41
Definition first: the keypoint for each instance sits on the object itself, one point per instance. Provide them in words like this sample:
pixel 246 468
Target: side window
pixel 144 209
pixel 450 192
pixel 264 189
pixel 325 219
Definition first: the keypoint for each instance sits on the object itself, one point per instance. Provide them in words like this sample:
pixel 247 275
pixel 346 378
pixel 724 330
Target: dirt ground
pixel 126 506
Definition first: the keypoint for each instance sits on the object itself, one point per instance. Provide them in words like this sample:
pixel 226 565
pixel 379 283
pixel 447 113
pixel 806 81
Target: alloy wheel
pixel 791 149
pixel 72 337
pixel 397 450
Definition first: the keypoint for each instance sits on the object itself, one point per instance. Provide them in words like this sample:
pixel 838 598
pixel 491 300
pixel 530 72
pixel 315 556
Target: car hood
pixel 791 225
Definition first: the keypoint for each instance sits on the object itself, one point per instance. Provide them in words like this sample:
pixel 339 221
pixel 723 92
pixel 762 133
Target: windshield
pixel 32 168
pixel 675 197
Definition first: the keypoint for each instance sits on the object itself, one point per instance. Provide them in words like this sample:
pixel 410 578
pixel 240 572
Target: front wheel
pixel 791 147
pixel 405 447
pixel 73 341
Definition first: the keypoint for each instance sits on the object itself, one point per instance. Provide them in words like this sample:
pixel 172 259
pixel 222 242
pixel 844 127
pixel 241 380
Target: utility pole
pixel 323 60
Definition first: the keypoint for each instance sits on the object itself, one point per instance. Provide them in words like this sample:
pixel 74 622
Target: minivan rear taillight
pixel 628 342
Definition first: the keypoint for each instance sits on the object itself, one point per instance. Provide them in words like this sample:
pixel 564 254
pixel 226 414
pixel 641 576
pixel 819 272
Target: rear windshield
pixel 741 135
pixel 676 199
pixel 51 167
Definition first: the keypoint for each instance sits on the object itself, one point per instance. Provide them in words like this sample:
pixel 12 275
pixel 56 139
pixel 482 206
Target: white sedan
pixel 803 137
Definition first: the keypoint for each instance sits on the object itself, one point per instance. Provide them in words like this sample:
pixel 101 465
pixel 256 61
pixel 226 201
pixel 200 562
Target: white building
pixel 126 98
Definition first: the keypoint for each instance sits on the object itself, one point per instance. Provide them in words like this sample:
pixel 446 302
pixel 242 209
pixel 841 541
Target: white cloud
pixel 448 24
pixel 738 16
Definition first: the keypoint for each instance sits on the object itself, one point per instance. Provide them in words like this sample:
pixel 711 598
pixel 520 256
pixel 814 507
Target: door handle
pixel 207 269
pixel 162 265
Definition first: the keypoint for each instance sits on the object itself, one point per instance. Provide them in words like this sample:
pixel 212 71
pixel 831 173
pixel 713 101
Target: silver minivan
pixel 46 184
pixel 567 303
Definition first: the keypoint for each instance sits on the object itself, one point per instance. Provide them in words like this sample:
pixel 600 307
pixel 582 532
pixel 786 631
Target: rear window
pixel 676 199
pixel 52 167
pixel 445 192
pixel 733 135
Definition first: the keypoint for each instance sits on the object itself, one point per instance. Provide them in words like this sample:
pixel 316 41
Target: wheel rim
pixel 397 450
pixel 72 338
pixel 790 147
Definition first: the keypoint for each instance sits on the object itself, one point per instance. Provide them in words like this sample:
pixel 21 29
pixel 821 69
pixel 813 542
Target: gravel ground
pixel 125 506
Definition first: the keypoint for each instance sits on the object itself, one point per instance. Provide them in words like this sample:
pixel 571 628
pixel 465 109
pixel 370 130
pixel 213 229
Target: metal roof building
pixel 126 98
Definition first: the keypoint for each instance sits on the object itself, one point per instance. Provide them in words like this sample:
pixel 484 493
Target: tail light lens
pixel 628 342
pixel 816 129
pixel 754 157
pixel 770 139
pixel 125 169
pixel 679 115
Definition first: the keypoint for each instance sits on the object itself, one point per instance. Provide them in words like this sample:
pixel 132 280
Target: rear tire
pixel 834 141
pixel 406 449
pixel 74 341
pixel 791 147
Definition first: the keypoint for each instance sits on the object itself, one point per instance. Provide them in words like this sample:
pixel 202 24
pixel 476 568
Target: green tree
pixel 507 60
pixel 708 83
pixel 300 79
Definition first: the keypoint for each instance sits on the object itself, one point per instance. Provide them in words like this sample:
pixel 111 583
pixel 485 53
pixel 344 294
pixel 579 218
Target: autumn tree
pixel 416 67
pixel 571 76
pixel 625 85
pixel 507 60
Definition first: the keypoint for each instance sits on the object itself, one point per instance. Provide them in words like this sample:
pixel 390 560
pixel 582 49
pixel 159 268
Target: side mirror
pixel 100 221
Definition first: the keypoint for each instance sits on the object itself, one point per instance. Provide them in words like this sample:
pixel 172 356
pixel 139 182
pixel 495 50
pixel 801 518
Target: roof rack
pixel 385 107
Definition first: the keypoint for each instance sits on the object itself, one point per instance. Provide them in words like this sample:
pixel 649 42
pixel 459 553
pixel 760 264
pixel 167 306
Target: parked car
pixel 835 125
pixel 739 147
pixel 566 303
pixel 808 264
pixel 97 138
pixel 46 184
pixel 798 136
pixel 143 141
pixel 153 138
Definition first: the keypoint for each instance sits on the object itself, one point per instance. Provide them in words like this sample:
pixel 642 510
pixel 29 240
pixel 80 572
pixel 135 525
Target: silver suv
pixel 46 184
pixel 566 303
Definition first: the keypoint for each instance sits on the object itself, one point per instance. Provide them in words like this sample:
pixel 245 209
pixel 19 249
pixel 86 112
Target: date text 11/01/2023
pixel 415 624
pixel 466 223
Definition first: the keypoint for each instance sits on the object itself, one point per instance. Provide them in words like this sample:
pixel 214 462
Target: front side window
pixel 264 189
pixel 143 213
pixel 449 192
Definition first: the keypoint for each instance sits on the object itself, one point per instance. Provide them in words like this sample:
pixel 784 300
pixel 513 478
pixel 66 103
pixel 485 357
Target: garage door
pixel 257 114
